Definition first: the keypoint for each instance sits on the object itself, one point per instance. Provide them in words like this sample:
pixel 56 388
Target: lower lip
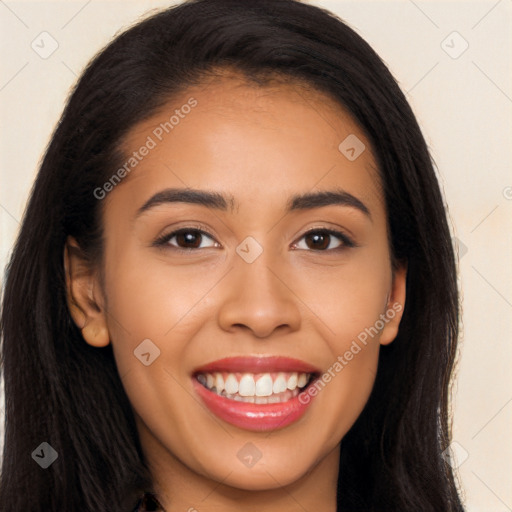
pixel 256 417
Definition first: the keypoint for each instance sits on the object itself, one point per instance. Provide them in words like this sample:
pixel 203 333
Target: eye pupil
pixel 189 237
pixel 320 241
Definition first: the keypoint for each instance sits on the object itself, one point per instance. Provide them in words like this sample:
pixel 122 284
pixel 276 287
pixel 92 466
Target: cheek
pixel 151 321
pixel 346 299
pixel 348 302
pixel 155 309
pixel 345 385
pixel 149 298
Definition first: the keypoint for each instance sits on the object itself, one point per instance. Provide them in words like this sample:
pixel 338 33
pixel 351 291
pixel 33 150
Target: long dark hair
pixel 65 392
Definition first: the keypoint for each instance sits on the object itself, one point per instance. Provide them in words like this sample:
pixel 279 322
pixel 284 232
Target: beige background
pixel 464 104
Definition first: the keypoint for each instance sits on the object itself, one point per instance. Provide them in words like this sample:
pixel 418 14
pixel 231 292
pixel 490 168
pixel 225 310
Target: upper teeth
pixel 250 384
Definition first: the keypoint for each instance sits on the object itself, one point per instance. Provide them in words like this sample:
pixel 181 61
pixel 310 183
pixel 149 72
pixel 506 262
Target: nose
pixel 260 298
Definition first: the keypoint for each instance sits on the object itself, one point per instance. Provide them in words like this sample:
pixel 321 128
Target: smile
pixel 255 393
pixel 262 388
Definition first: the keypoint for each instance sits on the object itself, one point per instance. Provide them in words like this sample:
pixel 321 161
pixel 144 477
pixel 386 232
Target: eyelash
pixel 163 240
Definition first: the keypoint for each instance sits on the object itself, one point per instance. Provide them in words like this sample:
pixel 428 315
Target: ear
pixel 84 297
pixel 395 305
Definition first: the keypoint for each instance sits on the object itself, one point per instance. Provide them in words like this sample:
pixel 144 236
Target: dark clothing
pixel 148 502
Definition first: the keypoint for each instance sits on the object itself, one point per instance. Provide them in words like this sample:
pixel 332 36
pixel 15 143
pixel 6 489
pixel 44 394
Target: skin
pixel 261 145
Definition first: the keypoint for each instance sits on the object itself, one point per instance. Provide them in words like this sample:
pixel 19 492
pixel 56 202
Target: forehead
pixel 256 142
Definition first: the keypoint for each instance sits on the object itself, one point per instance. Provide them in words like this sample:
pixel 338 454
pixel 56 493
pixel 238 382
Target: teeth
pixel 231 385
pixel 302 380
pixel 266 388
pixel 264 385
pixel 279 384
pixel 292 381
pixel 247 385
pixel 218 382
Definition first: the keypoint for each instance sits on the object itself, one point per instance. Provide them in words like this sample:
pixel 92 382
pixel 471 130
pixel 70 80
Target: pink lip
pixel 254 364
pixel 255 417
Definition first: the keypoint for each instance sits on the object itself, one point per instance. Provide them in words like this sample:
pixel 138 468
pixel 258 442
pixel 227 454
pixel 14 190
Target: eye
pixel 187 238
pixel 193 238
pixel 324 240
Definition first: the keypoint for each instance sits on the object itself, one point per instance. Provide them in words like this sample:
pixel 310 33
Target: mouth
pixel 256 388
pixel 256 393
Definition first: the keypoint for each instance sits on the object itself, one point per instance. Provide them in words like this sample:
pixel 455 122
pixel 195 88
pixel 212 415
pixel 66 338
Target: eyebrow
pixel 221 202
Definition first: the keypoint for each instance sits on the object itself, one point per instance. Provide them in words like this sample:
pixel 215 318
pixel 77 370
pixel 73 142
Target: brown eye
pixel 318 240
pixel 187 238
pixel 324 240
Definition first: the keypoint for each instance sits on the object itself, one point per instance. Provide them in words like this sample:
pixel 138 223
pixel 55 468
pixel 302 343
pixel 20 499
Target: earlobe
pixel 96 334
pixel 395 305
pixel 86 309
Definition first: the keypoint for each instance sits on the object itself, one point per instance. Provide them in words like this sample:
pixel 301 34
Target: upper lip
pixel 257 364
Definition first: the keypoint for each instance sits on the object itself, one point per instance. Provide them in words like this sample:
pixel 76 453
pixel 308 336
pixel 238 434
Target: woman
pixel 234 286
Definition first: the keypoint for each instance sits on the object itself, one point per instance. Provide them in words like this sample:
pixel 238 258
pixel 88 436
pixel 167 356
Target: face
pixel 275 284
